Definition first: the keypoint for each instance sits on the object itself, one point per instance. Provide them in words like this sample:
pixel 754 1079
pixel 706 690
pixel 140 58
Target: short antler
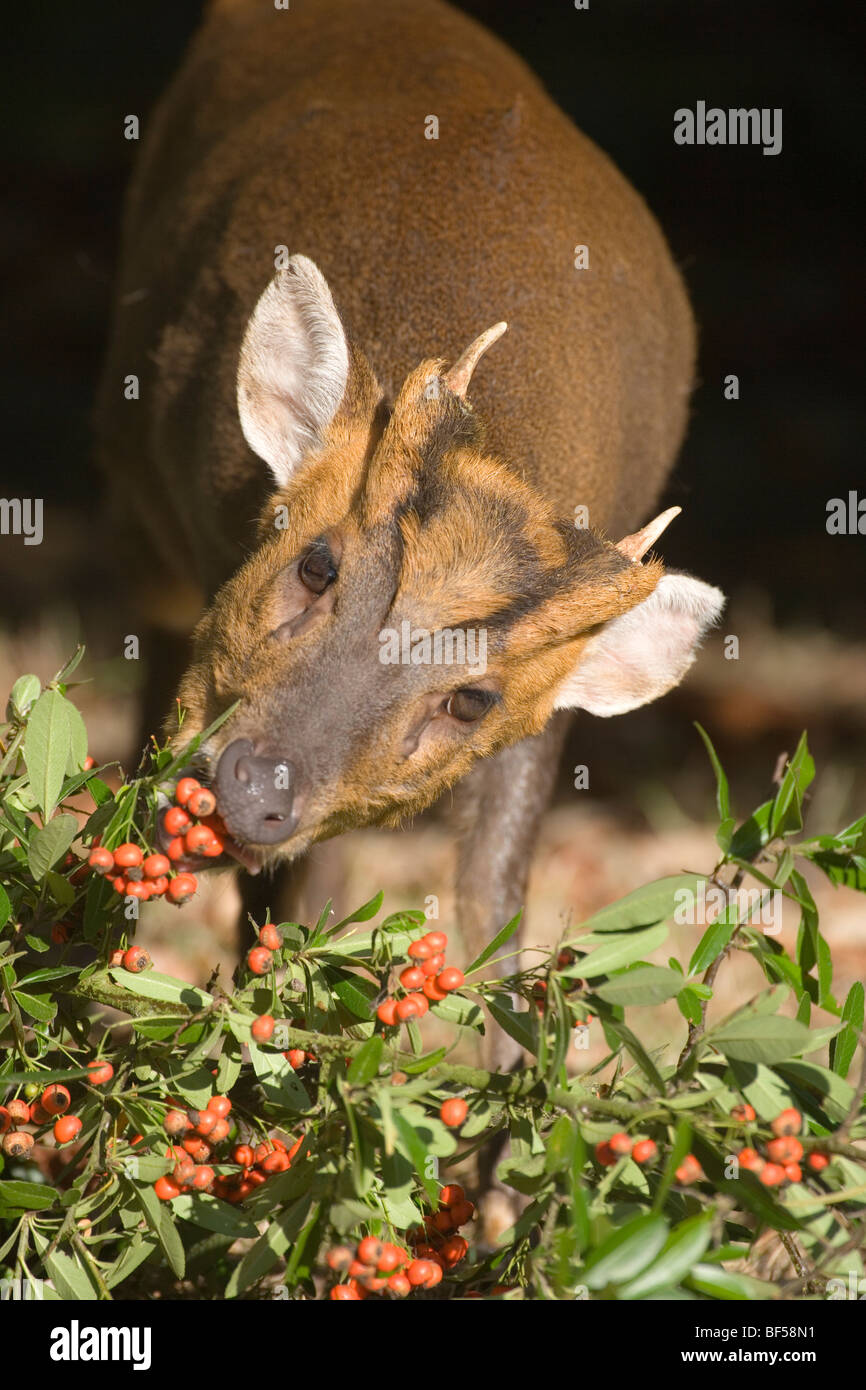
pixel 637 545
pixel 457 378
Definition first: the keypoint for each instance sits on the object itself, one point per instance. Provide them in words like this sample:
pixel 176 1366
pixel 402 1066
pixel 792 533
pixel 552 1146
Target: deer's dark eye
pixel 317 570
pixel 468 705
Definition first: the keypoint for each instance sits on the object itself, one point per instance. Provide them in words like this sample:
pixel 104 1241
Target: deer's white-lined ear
pixel 645 652
pixel 294 363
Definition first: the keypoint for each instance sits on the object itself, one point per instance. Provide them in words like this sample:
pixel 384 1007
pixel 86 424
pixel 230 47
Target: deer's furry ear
pixel 294 364
pixel 645 652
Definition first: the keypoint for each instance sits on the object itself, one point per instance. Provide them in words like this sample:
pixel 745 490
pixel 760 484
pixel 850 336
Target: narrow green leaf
pixel 500 939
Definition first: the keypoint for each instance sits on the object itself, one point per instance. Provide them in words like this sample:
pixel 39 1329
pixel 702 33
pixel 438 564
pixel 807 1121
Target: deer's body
pixel 305 129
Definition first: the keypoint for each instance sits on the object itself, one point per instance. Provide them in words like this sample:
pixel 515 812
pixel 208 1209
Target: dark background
pixel 768 245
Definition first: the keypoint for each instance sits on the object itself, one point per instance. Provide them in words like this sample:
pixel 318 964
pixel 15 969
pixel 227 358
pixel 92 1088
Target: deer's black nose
pixel 256 794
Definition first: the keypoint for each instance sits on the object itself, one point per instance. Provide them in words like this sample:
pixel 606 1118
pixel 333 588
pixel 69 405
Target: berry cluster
pixel 425 981
pixel 781 1164
pixel 784 1151
pixel 621 1145
pixel 43 1111
pixel 261 957
pixel 199 1132
pixel 141 876
pixel 377 1267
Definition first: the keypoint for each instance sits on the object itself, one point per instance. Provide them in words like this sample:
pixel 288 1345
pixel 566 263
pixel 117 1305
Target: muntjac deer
pixel 333 201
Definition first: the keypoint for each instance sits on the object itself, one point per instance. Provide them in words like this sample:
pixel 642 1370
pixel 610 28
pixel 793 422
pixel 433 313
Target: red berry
pixel 204 1123
pixel 196 838
pixel 20 1111
pixel 220 1105
pixel 772 1174
pixel 177 1123
pixel 182 888
pixel 437 940
pixel 185 788
pixel 220 1131
pixel 431 967
pixel 344 1293
pixel 433 992
pixel 133 889
pixel 136 959
pixel 454 1250
pixel 784 1150
pixel 18 1142
pixel 412 977
pixel 391 1258
pixel 101 860
pixel 817 1162
pixel 399 1284
pixel 413 1006
pixel 421 950
pixel 644 1151
pixel 244 1155
pixel 128 856
pixel 262 1028
pixel 620 1144
pixel 175 849
pixel 296 1057
pixel 370 1250
pixel 453 1112
pixel 420 1272
pixel 203 1178
pixel 55 1099
pixel 604 1154
pixel 176 820
pixel 5 1119
pixel 277 1162
pixel 202 802
pixel 270 937
pixel 387 1012
pixel 100 1072
pixel 793 1172
pixel 166 1188
pixel 689 1170
pixel 197 1148
pixel 451 1194
pixel 790 1121
pixel 158 886
pixel 156 865
pixel 60 933
pixel 751 1160
pixel 339 1258
pixel 259 960
pixel 450 979
pixel 744 1113
pixel 66 1128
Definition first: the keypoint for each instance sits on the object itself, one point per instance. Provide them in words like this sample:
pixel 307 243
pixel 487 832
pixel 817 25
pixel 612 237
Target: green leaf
pixel 714 940
pixel 417 1152
pixel 50 843
pixel 843 1047
pixel 719 1283
pixel 276 1076
pixel 165 988
pixel 753 834
pixel 786 815
pixel 519 1026
pixel 560 1145
pixel 723 795
pixel 23 694
pixel 77 740
pixel 5 906
pixel 500 939
pixel 457 1008
pixel 619 949
pixel 270 1247
pixel 46 747
pixel 203 1210
pixel 36 1006
pixel 684 1246
pixel 138 1250
pixel 361 914
pixel 760 1038
pixel 30 1196
pixel 647 984
pixel 366 1062
pixel 626 1252
pixel 350 993
pixel 655 902
pixel 636 1049
pixel 70 1278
